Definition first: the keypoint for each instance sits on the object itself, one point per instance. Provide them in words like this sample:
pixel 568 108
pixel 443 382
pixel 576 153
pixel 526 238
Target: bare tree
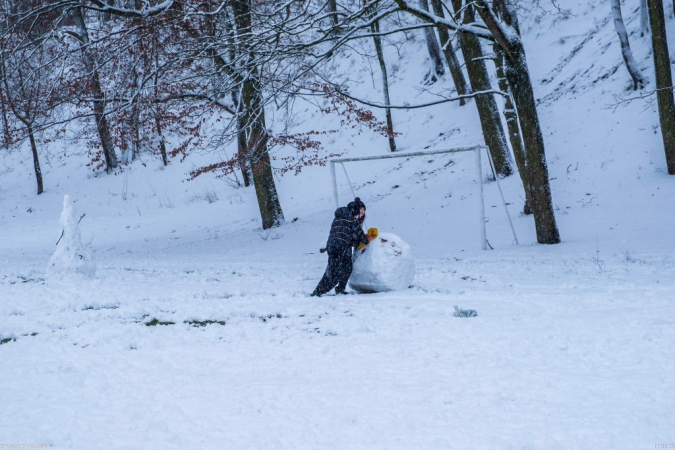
pixel 535 177
pixel 331 7
pixel 243 157
pixel 156 110
pixel 631 65
pixel 377 40
pixel 253 119
pixel 98 102
pixel 6 134
pixel 29 69
pixel 503 30
pixel 27 88
pixel 490 119
pixel 242 76
pixel 450 55
pixel 511 117
pixel 436 68
pixel 664 81
pixel 644 18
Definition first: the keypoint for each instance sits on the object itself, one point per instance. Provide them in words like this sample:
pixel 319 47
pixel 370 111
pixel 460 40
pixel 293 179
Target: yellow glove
pixel 372 232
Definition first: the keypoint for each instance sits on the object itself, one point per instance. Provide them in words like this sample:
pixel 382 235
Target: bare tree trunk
pixel 512 125
pixel 28 123
pixel 243 156
pixel 242 23
pixel 6 135
pixel 160 135
pixel 98 102
pixel 518 76
pixel 253 119
pixel 162 144
pixel 385 84
pixel 132 125
pixel 135 130
pixel 263 178
pixel 664 81
pixel 27 119
pixel 490 119
pixel 511 116
pixel 36 160
pixel 536 169
pixel 331 6
pixel 644 17
pixel 449 52
pixel 243 153
pixel 436 69
pixel 4 98
pixel 631 65
pixel 156 112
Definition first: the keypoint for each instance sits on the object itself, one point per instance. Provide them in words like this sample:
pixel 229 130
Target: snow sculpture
pixel 386 264
pixel 71 256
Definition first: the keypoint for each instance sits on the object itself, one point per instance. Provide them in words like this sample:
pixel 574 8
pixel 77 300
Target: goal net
pixel 477 150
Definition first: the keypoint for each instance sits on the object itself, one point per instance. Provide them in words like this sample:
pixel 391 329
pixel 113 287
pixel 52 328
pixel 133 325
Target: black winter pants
pixel 338 271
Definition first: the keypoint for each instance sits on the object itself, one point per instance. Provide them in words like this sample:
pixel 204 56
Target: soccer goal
pixel 479 174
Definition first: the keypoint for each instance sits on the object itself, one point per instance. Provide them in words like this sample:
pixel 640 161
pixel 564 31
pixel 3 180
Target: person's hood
pixel 343 213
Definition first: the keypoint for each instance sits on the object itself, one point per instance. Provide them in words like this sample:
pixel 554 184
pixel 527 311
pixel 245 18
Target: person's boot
pixel 340 291
pixel 315 294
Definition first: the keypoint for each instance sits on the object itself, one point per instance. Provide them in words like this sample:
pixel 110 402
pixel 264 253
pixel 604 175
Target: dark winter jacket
pixel 346 230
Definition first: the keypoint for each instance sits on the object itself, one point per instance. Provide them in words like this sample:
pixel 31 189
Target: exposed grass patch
pixel 13 339
pixel 270 316
pixel 22 279
pixel 97 307
pixel 154 322
pixel 203 323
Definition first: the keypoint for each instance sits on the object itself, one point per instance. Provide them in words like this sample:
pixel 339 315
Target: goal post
pixel 479 173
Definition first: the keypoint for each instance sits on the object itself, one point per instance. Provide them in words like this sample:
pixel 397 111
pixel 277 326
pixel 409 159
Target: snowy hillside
pixel 197 329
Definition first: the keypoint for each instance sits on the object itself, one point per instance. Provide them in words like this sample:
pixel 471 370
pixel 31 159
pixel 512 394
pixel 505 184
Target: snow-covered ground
pixel 566 352
pixel 197 330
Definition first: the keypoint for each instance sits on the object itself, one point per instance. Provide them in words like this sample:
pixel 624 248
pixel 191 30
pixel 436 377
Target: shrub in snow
pixel 71 256
pixel 386 264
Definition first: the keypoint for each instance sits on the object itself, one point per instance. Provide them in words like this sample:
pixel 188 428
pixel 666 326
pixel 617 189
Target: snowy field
pixel 566 352
pixel 198 332
pixel 569 350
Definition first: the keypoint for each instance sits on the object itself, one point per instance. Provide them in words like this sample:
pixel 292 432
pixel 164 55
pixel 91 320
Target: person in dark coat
pixel 345 233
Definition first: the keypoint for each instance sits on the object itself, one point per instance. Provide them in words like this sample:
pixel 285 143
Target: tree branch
pixel 424 105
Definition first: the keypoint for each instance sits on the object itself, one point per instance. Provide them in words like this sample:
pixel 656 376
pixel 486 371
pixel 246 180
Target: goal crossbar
pixel 479 172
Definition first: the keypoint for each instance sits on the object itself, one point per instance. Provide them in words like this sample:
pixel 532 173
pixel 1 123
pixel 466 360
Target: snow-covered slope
pixel 571 348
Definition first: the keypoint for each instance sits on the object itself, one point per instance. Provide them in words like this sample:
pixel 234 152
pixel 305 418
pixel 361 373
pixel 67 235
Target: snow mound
pixel 71 255
pixel 386 264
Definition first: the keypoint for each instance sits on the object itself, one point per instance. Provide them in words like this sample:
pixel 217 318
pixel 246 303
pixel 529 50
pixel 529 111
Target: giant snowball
pixel 386 264
pixel 71 255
